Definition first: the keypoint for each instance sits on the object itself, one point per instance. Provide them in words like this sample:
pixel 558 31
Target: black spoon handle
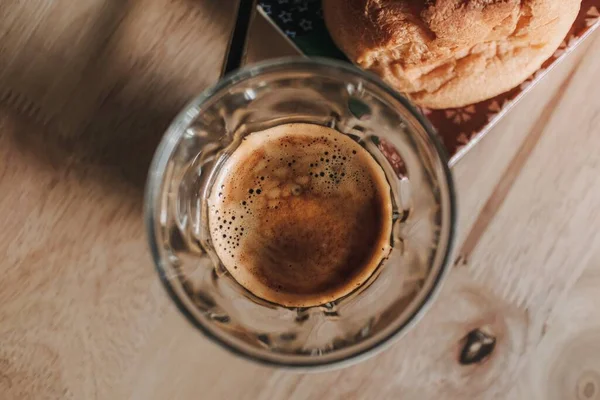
pixel 239 39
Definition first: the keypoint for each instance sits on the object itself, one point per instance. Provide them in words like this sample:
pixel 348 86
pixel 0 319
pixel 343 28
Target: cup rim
pixel 155 181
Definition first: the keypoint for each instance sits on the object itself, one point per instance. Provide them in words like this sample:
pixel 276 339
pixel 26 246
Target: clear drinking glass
pixel 355 103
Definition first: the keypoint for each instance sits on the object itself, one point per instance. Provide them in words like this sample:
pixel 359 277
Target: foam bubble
pixel 307 213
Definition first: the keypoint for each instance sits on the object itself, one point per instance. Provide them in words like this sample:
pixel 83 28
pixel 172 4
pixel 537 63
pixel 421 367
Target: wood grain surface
pixel 83 315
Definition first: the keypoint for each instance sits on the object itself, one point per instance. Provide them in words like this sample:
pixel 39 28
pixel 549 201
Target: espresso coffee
pixel 300 214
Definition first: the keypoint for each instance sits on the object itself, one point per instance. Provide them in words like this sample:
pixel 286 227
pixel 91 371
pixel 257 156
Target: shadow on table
pixel 108 78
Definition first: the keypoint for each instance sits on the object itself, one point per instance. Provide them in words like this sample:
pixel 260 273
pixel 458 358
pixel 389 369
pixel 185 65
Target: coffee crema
pixel 300 214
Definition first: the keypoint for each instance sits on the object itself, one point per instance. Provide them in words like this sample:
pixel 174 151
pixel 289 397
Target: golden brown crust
pixel 450 53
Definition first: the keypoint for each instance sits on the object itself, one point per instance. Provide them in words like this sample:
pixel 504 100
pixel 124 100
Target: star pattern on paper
pixel 295 17
pixel 302 5
pixel 285 16
pixel 306 25
pixel 266 8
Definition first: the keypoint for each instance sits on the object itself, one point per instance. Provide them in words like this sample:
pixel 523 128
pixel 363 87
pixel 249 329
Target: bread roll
pixel 450 53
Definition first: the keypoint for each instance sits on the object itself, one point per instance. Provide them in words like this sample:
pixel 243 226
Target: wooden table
pixel 83 315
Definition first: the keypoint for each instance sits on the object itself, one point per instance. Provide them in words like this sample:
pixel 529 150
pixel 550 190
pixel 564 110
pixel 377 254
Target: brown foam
pixel 300 214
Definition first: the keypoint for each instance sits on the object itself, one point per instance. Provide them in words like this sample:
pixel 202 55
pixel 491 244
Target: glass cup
pixel 355 103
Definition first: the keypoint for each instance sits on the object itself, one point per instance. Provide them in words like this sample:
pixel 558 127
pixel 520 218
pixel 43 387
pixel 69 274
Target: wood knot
pixel 477 346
